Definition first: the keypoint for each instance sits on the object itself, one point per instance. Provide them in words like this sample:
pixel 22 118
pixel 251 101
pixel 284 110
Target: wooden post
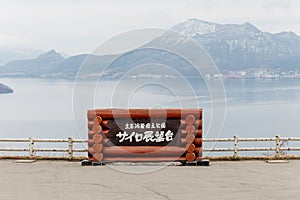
pixel 236 147
pixel 190 148
pixel 277 154
pixel 196 141
pixel 31 147
pixel 70 149
pixel 198 133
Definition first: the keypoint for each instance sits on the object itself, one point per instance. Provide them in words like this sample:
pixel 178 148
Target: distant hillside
pixel 53 65
pixel 15 53
pixel 5 89
pixel 231 46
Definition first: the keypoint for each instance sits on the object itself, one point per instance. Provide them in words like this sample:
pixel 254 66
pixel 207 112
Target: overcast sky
pixel 79 26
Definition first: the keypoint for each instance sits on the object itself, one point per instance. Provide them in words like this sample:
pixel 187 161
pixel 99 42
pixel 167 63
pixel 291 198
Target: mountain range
pixel 231 46
pixel 51 65
pixel 15 53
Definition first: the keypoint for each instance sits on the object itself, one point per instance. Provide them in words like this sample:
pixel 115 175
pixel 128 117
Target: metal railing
pixel 32 150
pixel 277 148
pixel 70 149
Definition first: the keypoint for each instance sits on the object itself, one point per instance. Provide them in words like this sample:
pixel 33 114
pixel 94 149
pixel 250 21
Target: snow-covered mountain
pixel 234 46
pixel 193 27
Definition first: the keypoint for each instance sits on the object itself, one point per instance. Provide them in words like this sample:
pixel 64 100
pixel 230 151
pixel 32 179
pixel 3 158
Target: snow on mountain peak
pixel 194 27
pixel 286 34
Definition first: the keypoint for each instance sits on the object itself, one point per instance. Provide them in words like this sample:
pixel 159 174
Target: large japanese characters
pixel 143 132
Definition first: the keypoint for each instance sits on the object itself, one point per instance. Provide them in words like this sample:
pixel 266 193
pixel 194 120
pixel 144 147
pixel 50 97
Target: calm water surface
pixel 44 108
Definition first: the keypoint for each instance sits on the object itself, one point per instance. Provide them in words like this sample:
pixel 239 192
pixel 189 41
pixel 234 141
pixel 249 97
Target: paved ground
pixel 222 180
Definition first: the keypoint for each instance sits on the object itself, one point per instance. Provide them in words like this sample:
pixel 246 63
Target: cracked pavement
pixel 222 180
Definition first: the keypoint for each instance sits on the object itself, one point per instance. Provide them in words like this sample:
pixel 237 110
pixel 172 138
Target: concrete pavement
pixel 222 180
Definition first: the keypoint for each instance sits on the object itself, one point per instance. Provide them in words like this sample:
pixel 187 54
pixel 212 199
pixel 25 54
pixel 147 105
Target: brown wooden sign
pixel 144 135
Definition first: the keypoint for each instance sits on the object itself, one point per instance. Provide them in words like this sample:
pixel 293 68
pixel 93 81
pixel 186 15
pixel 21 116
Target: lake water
pixel 44 108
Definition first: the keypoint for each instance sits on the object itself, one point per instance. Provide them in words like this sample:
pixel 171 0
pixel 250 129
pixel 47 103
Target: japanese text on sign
pixel 147 135
pixel 129 126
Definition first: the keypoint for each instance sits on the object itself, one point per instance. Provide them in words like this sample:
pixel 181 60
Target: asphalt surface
pixel 222 180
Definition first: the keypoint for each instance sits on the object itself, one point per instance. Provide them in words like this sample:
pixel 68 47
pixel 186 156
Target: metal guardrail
pixel 32 150
pixel 277 148
pixel 70 150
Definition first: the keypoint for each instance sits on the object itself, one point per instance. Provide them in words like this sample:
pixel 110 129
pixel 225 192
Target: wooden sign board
pixel 144 135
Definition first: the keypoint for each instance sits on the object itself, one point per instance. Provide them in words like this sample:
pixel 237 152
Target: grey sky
pixel 79 26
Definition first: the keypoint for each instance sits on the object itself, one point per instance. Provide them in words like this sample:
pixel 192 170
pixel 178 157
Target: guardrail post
pixel 277 154
pixel 70 149
pixel 236 147
pixel 31 147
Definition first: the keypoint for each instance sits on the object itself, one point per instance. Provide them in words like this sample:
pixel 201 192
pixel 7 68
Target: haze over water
pixel 255 108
